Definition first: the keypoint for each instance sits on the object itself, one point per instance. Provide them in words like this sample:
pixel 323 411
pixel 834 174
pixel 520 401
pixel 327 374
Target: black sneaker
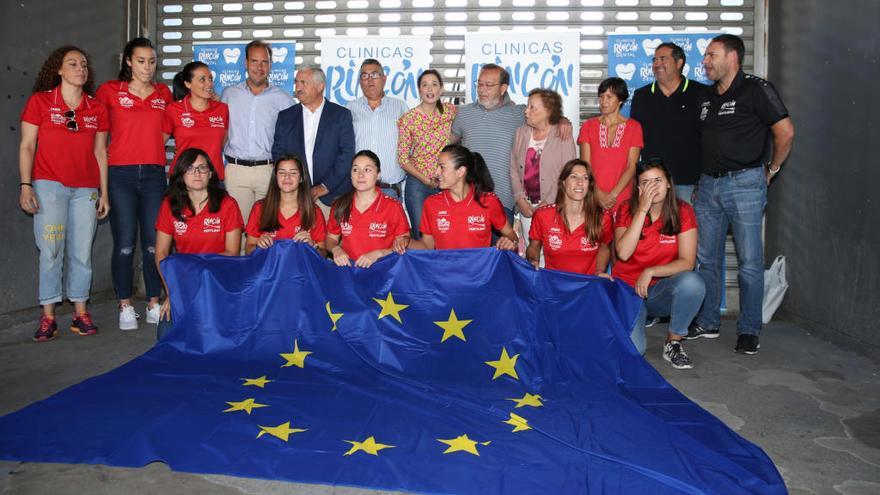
pixel 695 331
pixel 747 344
pixel 674 353
pixel 650 321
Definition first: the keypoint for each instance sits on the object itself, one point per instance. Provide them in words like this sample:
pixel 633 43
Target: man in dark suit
pixel 321 133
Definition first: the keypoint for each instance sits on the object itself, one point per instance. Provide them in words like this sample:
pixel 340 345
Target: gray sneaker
pixel 674 353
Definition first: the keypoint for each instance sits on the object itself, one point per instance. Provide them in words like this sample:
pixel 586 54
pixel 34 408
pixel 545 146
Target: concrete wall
pixel 824 58
pixel 31 29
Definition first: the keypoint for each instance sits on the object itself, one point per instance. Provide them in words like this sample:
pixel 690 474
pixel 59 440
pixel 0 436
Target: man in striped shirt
pixel 375 125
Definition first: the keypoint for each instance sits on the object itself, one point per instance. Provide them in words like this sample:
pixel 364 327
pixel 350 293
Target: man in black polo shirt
pixel 740 117
pixel 668 110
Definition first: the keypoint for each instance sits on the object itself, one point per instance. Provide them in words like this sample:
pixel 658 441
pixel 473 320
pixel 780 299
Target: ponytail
pixel 183 77
pixel 478 175
pixel 342 204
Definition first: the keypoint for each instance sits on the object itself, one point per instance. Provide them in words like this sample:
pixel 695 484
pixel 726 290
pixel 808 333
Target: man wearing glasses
pixel 488 127
pixel 375 125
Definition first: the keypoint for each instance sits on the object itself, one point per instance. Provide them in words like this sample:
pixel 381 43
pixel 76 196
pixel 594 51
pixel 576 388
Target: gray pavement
pixel 813 407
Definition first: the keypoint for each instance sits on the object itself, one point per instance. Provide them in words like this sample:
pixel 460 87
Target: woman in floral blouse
pixel 423 132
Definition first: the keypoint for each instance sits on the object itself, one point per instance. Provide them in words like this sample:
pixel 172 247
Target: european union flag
pixel 440 372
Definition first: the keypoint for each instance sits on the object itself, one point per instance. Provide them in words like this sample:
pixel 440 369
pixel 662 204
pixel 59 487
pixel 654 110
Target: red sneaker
pixel 82 325
pixel 48 330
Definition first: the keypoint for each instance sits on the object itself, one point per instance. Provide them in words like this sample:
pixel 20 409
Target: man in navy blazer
pixel 321 133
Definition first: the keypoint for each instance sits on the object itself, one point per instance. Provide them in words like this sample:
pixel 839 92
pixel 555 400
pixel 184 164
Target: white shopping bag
pixel 775 286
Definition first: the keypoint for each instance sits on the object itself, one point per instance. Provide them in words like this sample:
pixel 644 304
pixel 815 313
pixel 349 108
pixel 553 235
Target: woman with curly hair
pixel 197 216
pixel 136 103
pixel 64 182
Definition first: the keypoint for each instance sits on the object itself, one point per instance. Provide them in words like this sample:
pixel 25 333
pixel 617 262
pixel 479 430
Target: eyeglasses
pixel 197 170
pixel 371 75
pixel 482 84
pixel 70 115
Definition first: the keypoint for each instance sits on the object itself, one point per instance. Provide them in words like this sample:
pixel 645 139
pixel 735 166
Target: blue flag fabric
pixel 438 372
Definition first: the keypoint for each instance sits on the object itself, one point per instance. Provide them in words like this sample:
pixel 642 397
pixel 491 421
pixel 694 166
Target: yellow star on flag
pixel 255 382
pixel 462 443
pixel 452 327
pixel 389 307
pixel 370 446
pixel 519 423
pixel 528 400
pixel 334 317
pixel 504 365
pixel 246 405
pixel 282 431
pixel 295 358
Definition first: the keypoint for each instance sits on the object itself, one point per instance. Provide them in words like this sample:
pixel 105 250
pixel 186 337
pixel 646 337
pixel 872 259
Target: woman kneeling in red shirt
pixel 368 223
pixel 463 215
pixel 197 215
pixel 656 241
pixel 285 213
pixel 575 231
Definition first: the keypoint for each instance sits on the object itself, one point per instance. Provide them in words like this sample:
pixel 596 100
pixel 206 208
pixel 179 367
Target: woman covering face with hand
pixel 365 224
pixel 656 242
pixel 287 211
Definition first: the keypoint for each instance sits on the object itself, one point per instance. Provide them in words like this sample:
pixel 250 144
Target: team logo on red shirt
pixel 57 118
pixel 587 245
pixel 476 223
pixel 157 103
pixel 211 225
pixel 554 241
pixel 345 227
pixel 186 120
pixel 179 227
pixel 90 121
pixel 443 224
pixel 216 121
pixel 378 229
pixel 667 239
pixel 125 101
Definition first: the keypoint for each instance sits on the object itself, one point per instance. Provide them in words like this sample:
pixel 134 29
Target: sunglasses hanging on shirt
pixel 70 115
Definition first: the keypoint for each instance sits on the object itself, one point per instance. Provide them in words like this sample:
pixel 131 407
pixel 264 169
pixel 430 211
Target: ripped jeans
pixel 135 197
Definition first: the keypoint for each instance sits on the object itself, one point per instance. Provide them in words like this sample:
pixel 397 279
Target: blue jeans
pixel 66 221
pixel 135 197
pixel 414 196
pixel 737 201
pixel 678 297
pixel 685 193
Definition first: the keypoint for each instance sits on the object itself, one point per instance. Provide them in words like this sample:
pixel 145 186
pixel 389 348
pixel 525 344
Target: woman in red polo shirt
pixel 64 181
pixel 285 213
pixel 365 224
pixel 611 144
pixel 463 215
pixel 136 103
pixel 575 231
pixel 655 237
pixel 197 216
pixel 195 119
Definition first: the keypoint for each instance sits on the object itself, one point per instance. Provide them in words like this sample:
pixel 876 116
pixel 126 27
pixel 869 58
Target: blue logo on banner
pixel 630 57
pixel 227 63
pixel 343 84
pixel 524 77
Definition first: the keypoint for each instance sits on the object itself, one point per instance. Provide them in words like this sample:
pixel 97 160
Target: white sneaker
pixel 128 318
pixel 153 313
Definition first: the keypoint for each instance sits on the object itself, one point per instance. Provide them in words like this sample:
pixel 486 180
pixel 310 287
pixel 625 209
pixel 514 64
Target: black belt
pixel 393 187
pixel 728 173
pixel 247 163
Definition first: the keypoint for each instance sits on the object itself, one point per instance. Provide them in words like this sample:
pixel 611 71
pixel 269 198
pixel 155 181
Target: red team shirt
pixel 135 123
pixel 461 224
pixel 563 249
pixel 653 248
pixel 64 155
pixel 204 233
pixel 609 155
pixel 372 229
pixel 289 226
pixel 194 129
